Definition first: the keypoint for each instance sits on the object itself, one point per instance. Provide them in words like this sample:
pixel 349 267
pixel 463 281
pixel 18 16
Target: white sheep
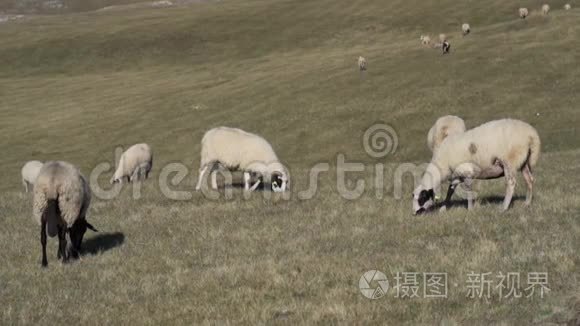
pixel 425 39
pixel 30 172
pixel 236 149
pixel 443 127
pixel 523 13
pixel 567 6
pixel 492 150
pixel 135 164
pixel 545 9
pixel 442 37
pixel 61 199
pixel 466 29
pixel 362 63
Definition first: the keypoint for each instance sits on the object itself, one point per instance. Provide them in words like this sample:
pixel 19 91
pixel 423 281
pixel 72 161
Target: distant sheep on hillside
pixel 362 63
pixel 465 28
pixel 445 47
pixel 425 39
pixel 523 13
pixel 567 6
pixel 545 9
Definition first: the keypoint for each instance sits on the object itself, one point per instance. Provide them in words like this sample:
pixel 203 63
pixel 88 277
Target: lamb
pixel 236 149
pixel 523 13
pixel 30 172
pixel 362 63
pixel 545 9
pixel 492 150
pixel 61 199
pixel 443 127
pixel 465 28
pixel 567 6
pixel 135 164
pixel 425 39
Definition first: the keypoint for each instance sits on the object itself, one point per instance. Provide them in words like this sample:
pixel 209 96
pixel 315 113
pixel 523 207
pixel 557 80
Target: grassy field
pixel 74 87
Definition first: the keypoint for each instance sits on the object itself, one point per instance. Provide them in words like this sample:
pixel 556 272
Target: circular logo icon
pixel 380 140
pixel 373 284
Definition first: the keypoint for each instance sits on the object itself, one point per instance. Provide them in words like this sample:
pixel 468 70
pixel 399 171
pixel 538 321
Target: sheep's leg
pixel 62 244
pixel 450 192
pixel 510 184
pixel 25 183
pixel 213 179
pixel 529 178
pixel 255 185
pixel 468 185
pixel 246 181
pixel 43 242
pixel 200 178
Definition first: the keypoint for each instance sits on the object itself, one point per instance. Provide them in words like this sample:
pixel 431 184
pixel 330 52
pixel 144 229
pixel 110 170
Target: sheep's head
pixel 280 181
pixel 77 232
pixel 423 200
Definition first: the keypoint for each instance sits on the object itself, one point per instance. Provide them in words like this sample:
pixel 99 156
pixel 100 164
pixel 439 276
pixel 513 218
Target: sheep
pixel 236 149
pixel 545 9
pixel 425 39
pixel 442 37
pixel 523 13
pixel 445 47
pixel 30 172
pixel 135 164
pixel 492 150
pixel 567 6
pixel 362 63
pixel 466 29
pixel 443 127
pixel 61 199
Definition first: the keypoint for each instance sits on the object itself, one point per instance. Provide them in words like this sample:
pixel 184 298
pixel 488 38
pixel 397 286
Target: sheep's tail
pixel 50 215
pixel 534 148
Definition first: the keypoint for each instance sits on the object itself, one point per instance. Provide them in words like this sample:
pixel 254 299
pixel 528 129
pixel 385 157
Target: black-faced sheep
pixel 465 29
pixel 61 199
pixel 29 173
pixel 494 149
pixel 446 47
pixel 236 149
pixel 135 164
pixel 362 63
pixel 523 12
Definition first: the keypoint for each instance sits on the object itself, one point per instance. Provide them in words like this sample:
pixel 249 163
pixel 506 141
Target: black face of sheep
pixel 77 232
pixel 279 182
pixel 423 201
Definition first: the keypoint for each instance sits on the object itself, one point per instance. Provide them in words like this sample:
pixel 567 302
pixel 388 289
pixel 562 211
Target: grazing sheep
pixel 465 28
pixel 236 149
pixel 445 47
pixel 492 150
pixel 425 39
pixel 523 13
pixel 362 63
pixel 61 199
pixel 545 9
pixel 567 6
pixel 135 164
pixel 443 127
pixel 442 37
pixel 30 172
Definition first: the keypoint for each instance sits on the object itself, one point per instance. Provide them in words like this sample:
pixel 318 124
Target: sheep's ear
pixel 90 227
